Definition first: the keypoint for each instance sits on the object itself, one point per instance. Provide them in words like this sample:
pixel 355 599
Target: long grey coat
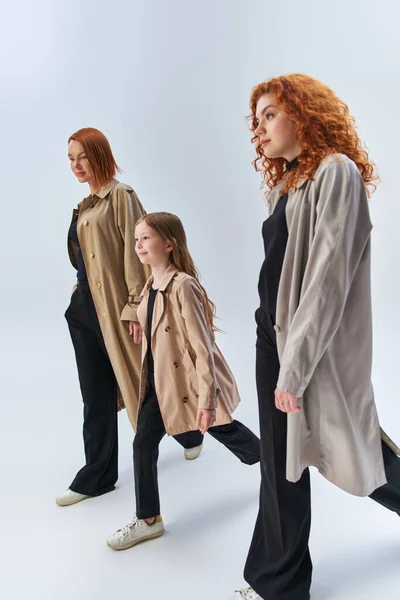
pixel 324 329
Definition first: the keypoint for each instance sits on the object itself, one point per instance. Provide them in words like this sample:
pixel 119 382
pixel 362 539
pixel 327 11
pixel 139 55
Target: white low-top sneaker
pixel 192 453
pixel 69 497
pixel 136 531
pixel 245 594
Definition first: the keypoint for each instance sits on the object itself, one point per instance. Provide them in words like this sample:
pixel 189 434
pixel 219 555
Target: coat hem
pixel 189 427
pixel 330 476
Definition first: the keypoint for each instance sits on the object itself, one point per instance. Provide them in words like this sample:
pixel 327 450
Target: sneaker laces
pixel 135 523
pixel 248 594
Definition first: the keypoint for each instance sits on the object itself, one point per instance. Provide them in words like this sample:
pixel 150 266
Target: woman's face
pixel 79 163
pixel 275 131
pixel 150 247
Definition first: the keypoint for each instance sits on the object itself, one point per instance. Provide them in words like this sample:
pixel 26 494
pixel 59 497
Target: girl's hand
pixel 286 402
pixel 208 416
pixel 135 330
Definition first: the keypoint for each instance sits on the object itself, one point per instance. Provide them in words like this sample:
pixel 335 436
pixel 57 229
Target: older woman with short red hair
pixel 102 314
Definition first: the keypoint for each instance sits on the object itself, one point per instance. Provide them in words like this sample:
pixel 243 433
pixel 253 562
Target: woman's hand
pixel 286 402
pixel 208 416
pixel 135 330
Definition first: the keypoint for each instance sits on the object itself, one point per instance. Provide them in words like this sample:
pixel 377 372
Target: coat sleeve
pixel 194 313
pixel 129 211
pixel 341 234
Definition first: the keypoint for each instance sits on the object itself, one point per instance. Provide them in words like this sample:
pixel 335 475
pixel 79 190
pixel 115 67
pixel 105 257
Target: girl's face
pixel 275 131
pixel 151 248
pixel 79 163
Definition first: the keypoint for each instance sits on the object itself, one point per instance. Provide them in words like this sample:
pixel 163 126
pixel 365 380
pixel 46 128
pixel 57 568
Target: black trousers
pixel 99 393
pixel 279 565
pixel 150 431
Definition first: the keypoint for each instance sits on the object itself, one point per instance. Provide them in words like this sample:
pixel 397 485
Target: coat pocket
pixel 190 369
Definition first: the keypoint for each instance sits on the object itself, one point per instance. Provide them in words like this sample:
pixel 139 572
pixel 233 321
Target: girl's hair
pixel 323 125
pixel 99 153
pixel 170 228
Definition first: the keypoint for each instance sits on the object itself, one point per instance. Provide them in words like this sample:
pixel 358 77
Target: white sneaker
pixel 136 531
pixel 69 497
pixel 246 594
pixel 192 453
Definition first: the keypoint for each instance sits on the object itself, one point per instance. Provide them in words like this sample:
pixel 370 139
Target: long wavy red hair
pixel 323 125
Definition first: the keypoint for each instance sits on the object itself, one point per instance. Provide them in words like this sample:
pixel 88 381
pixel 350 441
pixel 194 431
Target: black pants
pixel 99 393
pixel 150 431
pixel 279 565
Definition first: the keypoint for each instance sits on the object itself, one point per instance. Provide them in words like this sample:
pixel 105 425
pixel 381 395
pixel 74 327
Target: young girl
pixel 186 383
pixel 314 342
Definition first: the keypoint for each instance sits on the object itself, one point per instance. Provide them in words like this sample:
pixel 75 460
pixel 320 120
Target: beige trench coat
pixel 324 329
pixel 106 233
pixel 189 369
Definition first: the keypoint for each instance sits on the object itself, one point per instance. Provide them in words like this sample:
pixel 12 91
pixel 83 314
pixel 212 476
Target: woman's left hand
pixel 286 402
pixel 208 416
pixel 135 330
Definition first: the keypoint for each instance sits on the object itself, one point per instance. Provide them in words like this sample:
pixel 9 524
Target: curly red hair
pixel 323 125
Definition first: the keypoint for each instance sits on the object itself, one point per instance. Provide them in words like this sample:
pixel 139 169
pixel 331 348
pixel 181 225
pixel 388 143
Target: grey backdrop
pixel 168 82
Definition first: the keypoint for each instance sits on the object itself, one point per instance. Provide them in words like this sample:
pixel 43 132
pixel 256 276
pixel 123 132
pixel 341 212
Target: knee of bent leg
pixel 144 441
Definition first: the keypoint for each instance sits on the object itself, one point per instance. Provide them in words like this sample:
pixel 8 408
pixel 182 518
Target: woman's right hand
pixel 136 331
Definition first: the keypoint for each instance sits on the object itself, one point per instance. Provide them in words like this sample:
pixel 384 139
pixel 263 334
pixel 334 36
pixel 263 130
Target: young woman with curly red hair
pixel 314 328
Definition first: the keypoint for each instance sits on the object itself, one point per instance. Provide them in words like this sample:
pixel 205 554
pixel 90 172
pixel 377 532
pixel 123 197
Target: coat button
pixel 98 284
pixel 86 222
pixel 185 400
pixel 91 255
pixel 175 364
pixel 277 328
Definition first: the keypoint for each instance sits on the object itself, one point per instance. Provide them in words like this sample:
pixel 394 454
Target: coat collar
pixel 159 306
pixel 274 195
pixel 103 191
pixel 106 189
pixel 169 274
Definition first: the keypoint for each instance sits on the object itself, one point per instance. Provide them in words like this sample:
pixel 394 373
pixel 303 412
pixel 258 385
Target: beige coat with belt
pixel 189 369
pixel 106 233
pixel 324 329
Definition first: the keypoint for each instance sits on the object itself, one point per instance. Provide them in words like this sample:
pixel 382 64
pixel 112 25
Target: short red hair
pixel 323 125
pixel 99 153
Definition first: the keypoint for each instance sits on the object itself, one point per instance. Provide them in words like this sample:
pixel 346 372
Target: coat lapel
pixel 160 303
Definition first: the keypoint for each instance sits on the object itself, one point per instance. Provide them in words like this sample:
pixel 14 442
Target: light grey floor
pixel 209 506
